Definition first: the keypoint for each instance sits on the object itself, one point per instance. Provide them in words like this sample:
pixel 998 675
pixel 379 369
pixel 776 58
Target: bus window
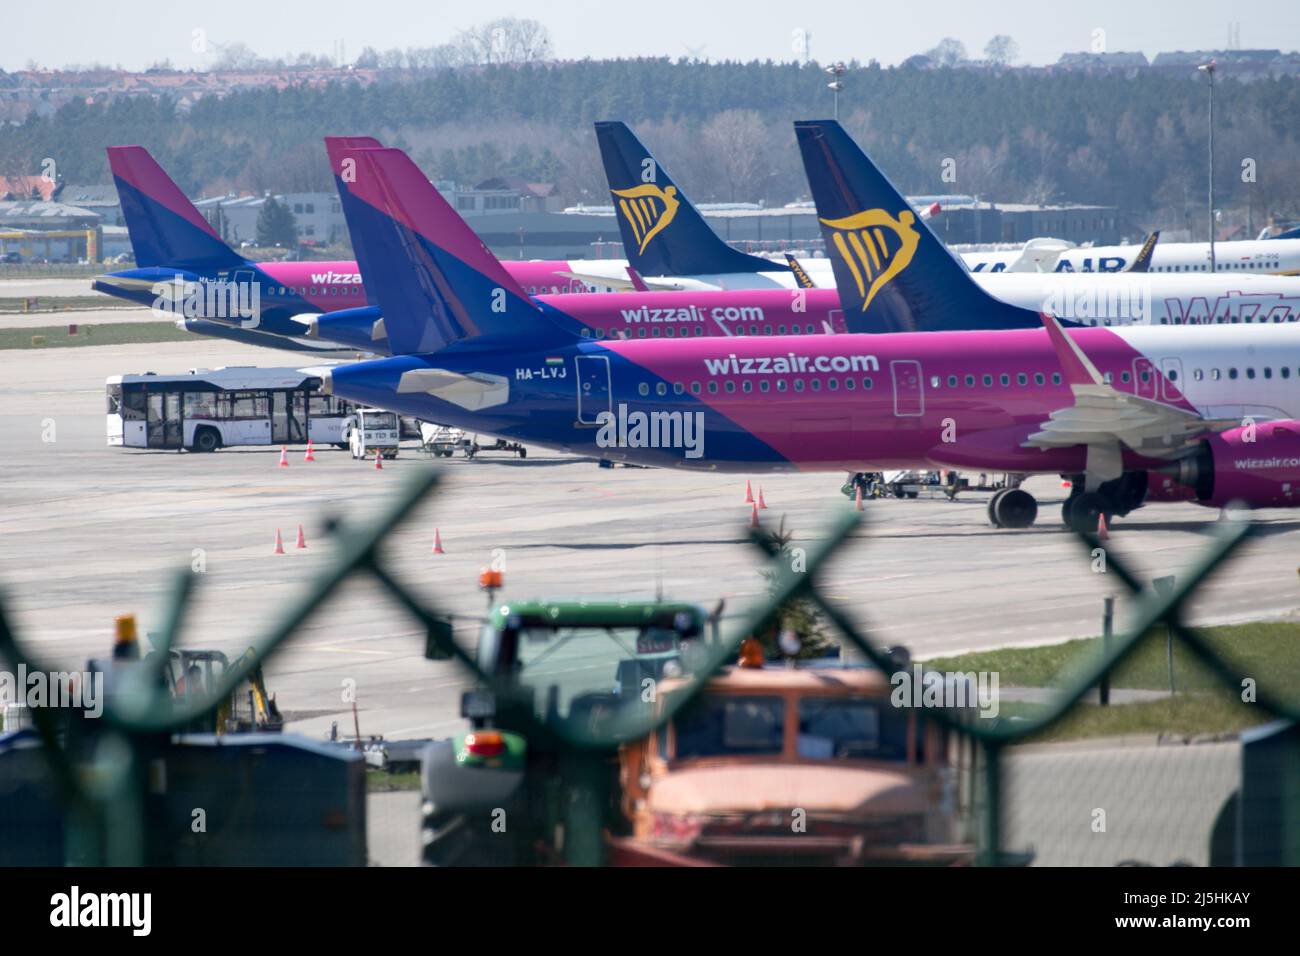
pixel 115 399
pixel 322 405
pixel 133 408
pixel 200 404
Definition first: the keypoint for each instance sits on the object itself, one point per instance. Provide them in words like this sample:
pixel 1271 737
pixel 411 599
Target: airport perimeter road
pixel 40 287
pixel 88 531
pixel 82 317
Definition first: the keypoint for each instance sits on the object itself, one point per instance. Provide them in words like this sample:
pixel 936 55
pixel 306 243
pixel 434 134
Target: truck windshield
pixel 723 725
pixel 851 728
pixel 381 420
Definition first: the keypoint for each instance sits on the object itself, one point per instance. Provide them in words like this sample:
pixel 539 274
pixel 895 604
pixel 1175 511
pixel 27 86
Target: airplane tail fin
pixel 164 227
pixel 434 281
pixel 663 233
pixel 893 273
pixel 1142 261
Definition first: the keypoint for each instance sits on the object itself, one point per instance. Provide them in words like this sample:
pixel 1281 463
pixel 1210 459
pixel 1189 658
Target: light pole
pixel 1208 69
pixel 836 70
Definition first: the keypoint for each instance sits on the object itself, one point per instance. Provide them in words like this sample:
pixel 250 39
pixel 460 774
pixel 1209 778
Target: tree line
pixel 723 130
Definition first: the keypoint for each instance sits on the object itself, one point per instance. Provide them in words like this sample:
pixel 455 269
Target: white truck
pixel 371 430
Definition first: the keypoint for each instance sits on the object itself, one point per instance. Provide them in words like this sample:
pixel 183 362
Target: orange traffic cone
pixel 857 498
pixel 284 456
pixel 1102 533
pixel 279 543
pixel 753 514
pixel 437 542
pixel 302 542
pixel 749 494
pixel 379 460
pixel 309 456
pixel 762 505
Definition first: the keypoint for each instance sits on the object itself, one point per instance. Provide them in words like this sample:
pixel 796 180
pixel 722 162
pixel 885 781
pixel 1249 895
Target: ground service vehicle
pixel 809 765
pixel 493 796
pixel 371 430
pixel 207 409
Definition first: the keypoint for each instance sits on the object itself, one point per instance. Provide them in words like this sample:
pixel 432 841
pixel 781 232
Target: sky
pixel 138 33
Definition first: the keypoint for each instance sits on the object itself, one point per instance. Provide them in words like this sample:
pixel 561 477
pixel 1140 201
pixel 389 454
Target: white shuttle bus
pixel 207 409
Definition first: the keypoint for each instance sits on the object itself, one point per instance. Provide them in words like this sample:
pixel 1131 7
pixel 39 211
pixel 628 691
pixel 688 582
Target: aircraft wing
pixel 1104 418
pixel 473 390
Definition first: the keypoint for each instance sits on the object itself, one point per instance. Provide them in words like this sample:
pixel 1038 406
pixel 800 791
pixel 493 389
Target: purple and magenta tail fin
pixel 434 280
pixel 164 227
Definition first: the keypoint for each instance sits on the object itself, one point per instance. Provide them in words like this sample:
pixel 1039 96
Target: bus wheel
pixel 206 439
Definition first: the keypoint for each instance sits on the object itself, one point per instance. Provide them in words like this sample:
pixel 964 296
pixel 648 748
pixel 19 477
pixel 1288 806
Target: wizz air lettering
pixel 1233 307
pixel 692 313
pixel 336 278
pixel 791 364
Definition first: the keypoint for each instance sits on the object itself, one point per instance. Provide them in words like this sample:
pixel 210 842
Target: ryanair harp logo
pixel 875 246
pixel 648 210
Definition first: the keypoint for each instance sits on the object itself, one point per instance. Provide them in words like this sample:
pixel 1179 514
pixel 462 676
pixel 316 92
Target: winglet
pixel 637 282
pixel 1078 368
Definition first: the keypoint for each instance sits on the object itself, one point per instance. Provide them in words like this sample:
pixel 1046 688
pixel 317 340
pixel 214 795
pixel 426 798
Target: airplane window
pixel 850 384
pixel 746 386
pixel 699 330
pixel 794 330
pixel 1198 375
pixel 643 389
pixel 764 385
pixel 952 381
pixel 1232 373
pixel 678 388
pixel 695 388
pixel 1039 378
pixel 934 381
pixel 640 333
pixel 767 330
pixel 1250 373
pixel 656 332
pixel 1173 375
pixel 833 384
pixel 1108 377
pixel 798 385
pixel 600 333
pixel 1022 379
pixel 661 388
pixel 780 330
pixel 866 383
pixel 1286 372
pixel 811 328
pixel 713 388
pixel 586 333
pixel 753 330
pixel 1123 377
pixel 780 385
pixel 988 380
pixel 1214 374
pixel 668 332
pixel 1004 379
pixel 1145 375
pixel 970 381
pixel 731 387
pixel 1268 372
pixel 1056 378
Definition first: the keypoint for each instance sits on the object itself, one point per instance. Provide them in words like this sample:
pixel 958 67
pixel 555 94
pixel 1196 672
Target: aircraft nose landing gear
pixel 1012 508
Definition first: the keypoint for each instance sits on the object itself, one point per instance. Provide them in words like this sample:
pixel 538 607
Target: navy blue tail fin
pixel 663 233
pixel 893 273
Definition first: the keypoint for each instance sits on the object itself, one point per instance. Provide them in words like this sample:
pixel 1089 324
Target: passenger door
pixel 909 399
pixel 593 387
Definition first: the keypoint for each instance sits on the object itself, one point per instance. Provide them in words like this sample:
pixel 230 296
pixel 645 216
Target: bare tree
pixel 739 139
pixel 1001 50
pixel 505 40
pixel 949 52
